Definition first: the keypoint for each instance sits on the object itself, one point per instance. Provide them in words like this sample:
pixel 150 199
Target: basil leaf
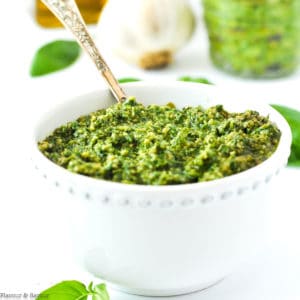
pixel 292 116
pixel 129 79
pixel 100 289
pixel 194 79
pixel 91 287
pixel 54 56
pixel 66 290
pixel 74 290
pixel 97 297
pixel 184 78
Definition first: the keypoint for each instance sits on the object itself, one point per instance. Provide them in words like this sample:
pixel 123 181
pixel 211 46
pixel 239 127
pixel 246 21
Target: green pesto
pixel 257 38
pixel 161 145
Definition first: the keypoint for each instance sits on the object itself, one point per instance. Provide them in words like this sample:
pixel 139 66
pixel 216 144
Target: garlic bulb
pixel 147 32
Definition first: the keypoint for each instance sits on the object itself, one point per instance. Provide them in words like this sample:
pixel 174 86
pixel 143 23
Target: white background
pixel 34 246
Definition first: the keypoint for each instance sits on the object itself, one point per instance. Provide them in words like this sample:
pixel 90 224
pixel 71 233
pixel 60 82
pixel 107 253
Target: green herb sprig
pixel 194 79
pixel 74 290
pixel 292 116
pixel 54 56
pixel 128 79
pixel 183 78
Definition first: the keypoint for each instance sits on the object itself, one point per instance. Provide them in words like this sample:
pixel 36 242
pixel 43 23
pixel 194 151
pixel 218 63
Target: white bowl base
pixel 165 293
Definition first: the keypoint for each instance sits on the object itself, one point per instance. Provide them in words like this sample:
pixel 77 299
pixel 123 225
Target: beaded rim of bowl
pixel 107 199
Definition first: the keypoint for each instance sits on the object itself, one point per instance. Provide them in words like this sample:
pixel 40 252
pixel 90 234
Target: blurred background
pixel 251 46
pixel 228 42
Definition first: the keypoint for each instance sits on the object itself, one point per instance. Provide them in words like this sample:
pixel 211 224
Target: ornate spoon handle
pixel 68 13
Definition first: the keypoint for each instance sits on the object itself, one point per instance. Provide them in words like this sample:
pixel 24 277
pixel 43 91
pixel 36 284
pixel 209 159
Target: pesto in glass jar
pixel 162 145
pixel 254 38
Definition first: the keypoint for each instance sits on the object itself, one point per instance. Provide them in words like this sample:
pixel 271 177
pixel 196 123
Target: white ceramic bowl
pixel 164 240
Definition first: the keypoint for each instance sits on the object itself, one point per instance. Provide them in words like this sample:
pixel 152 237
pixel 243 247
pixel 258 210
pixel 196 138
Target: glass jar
pixel 254 38
pixel 90 10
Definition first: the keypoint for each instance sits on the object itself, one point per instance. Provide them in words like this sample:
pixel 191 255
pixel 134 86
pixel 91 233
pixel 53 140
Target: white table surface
pixel 34 248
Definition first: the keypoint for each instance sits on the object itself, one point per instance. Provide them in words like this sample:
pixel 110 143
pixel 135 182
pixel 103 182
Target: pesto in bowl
pixel 162 145
pixel 257 38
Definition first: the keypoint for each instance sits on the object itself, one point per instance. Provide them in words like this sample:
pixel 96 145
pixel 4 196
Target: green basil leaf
pixel 184 78
pixel 100 289
pixel 66 290
pixel 194 79
pixel 74 290
pixel 292 116
pixel 54 56
pixel 91 287
pixel 129 79
pixel 97 297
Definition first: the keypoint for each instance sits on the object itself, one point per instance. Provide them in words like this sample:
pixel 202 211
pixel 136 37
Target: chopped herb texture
pixel 257 38
pixel 161 145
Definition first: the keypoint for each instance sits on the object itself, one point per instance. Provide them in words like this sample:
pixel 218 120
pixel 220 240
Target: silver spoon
pixel 68 14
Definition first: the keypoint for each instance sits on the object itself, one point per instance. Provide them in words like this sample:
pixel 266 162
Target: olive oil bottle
pixel 90 10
